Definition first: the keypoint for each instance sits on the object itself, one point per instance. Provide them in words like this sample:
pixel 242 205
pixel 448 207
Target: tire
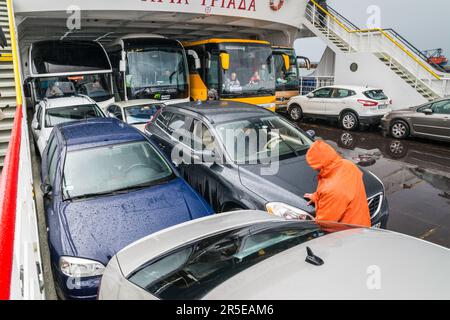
pixel 399 129
pixel 349 121
pixel 295 113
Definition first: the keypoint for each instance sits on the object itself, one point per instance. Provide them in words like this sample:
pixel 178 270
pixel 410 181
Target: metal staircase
pixel 7 85
pixel 388 46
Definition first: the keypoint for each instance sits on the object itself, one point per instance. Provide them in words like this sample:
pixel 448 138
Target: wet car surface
pixel 415 172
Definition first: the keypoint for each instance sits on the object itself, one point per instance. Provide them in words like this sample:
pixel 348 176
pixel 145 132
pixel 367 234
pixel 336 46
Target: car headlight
pixel 287 212
pixel 78 267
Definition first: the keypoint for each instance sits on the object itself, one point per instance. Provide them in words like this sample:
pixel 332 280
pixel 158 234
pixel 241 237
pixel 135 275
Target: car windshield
pixel 114 168
pixel 55 116
pixel 95 86
pixel 156 73
pixel 191 272
pixel 375 95
pixel 250 141
pixel 251 71
pixel 141 114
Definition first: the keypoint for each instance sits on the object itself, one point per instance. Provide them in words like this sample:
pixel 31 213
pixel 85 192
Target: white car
pixel 135 112
pixel 252 255
pixel 53 111
pixel 350 105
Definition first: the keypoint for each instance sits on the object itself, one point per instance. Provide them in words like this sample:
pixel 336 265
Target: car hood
pixel 98 228
pixel 293 178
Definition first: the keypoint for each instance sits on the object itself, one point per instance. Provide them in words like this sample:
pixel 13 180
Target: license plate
pixel 382 106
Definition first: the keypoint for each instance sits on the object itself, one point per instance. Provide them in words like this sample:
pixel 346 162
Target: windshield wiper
pixel 265 90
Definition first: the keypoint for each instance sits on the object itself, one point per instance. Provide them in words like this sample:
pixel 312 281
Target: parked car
pixel 352 106
pixel 105 185
pixel 53 111
pixel 246 174
pixel 430 120
pixel 254 256
pixel 134 112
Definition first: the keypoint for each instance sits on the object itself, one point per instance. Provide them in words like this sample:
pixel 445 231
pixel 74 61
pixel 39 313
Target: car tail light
pixel 368 103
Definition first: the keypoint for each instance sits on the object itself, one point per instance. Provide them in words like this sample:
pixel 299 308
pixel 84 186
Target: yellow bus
pixel 232 69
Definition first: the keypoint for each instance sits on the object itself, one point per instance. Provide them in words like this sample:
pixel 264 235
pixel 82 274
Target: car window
pixel 55 116
pixel 107 169
pixel 163 119
pixel 375 94
pixel 203 138
pixel 441 107
pixel 323 93
pixel 176 122
pixel 342 93
pixel 52 161
pixel 191 272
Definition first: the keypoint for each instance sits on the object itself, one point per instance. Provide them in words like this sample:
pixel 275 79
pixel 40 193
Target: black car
pixel 239 156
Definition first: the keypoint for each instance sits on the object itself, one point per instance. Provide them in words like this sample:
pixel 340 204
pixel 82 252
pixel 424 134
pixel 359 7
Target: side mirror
pixel 197 62
pixel 46 189
pixel 311 134
pixel 428 112
pixel 310 95
pixel 225 60
pixel 36 125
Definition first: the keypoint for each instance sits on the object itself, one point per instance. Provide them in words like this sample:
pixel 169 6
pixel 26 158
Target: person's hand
pixel 310 197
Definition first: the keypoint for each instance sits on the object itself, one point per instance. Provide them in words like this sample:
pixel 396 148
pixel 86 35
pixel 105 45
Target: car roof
pixel 67 101
pixel 353 87
pixel 347 256
pixel 97 132
pixel 354 260
pixel 138 102
pixel 222 111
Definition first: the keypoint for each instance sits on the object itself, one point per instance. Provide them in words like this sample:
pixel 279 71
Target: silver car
pixel 430 120
pixel 254 256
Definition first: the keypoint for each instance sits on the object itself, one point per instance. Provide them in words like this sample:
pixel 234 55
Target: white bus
pixel 150 67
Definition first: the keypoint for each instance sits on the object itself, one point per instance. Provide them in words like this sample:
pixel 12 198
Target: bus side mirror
pixel 287 62
pixel 194 56
pixel 225 60
pixel 122 66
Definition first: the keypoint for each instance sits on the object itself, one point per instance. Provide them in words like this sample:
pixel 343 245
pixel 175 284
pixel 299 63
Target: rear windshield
pixel 56 116
pixel 193 271
pixel 375 95
pixel 49 57
pixel 141 114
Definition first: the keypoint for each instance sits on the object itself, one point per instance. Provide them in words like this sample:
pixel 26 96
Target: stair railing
pixel 366 40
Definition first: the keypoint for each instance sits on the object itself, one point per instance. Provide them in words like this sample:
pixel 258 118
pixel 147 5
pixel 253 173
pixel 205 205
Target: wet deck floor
pixel 415 172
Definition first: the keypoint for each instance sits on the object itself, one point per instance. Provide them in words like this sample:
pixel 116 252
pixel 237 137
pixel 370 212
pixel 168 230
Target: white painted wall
pixel 372 72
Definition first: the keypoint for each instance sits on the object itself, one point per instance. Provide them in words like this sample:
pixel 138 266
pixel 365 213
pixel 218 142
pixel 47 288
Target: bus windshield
pixel 156 73
pixel 286 80
pixel 251 71
pixel 95 86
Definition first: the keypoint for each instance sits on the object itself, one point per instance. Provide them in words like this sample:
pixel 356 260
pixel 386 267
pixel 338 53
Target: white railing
pixel 379 41
pixel 27 275
pixel 311 83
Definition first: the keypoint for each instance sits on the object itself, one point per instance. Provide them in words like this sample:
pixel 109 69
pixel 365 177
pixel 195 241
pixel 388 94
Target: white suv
pixel 350 105
pixel 53 111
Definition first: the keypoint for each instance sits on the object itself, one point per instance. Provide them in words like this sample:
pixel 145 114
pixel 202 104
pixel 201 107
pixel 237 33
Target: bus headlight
pixel 287 212
pixel 79 268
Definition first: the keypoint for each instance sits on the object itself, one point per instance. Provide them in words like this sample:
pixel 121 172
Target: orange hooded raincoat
pixel 341 195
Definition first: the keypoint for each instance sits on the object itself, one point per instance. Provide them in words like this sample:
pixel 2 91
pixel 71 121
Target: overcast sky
pixel 426 24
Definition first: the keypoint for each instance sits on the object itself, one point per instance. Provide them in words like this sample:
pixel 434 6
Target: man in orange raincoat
pixel 341 195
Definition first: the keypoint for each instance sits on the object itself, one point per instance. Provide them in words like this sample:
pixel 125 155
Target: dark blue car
pixel 105 186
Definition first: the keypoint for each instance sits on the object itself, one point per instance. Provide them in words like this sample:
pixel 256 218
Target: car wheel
pixel 399 129
pixel 349 121
pixel 295 113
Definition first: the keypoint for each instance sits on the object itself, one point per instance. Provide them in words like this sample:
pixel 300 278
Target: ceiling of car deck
pixel 107 26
